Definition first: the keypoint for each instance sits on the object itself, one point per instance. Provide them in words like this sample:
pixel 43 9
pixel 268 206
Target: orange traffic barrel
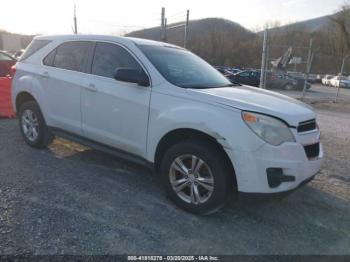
pixel 6 108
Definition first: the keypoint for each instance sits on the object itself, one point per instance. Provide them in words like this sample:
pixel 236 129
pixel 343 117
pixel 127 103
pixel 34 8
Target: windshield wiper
pixel 231 85
pixel 208 87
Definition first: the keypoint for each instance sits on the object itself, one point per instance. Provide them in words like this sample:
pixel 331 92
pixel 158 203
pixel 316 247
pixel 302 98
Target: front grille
pixel 312 151
pixel 307 126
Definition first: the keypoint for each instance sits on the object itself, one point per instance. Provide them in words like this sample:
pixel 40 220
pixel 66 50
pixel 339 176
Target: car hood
pixel 257 100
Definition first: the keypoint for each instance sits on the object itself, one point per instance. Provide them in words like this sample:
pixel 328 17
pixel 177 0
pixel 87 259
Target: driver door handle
pixel 91 88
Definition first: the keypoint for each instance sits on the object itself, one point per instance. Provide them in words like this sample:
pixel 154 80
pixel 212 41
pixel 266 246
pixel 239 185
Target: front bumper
pixel 264 196
pixel 251 167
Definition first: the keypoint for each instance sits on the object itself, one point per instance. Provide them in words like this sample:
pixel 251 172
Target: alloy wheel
pixel 30 125
pixel 191 179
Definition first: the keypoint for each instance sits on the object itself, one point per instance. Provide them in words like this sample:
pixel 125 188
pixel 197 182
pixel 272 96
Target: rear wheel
pixel 195 176
pixel 33 126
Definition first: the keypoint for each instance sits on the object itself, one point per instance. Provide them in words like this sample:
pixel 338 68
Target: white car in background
pixel 340 81
pixel 326 79
pixel 160 105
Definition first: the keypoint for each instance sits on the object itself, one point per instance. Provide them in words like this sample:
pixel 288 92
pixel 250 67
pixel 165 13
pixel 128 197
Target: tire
pixel 288 87
pixel 30 119
pixel 213 167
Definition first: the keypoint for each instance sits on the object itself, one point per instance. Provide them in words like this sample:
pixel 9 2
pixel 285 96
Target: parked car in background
pixel 6 62
pixel 273 80
pixel 280 81
pixel 332 81
pixel 18 54
pixel 235 70
pixel 251 78
pixel 312 78
pixel 326 79
pixel 223 67
pixel 300 78
pixel 228 74
pixel 301 83
pixel 296 75
pixel 223 70
pixel 160 105
pixel 340 81
pixel 319 78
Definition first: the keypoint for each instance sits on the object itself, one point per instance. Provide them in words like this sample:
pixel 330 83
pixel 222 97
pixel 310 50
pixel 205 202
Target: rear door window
pixel 72 55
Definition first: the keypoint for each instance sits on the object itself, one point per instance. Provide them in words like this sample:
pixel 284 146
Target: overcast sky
pixel 118 16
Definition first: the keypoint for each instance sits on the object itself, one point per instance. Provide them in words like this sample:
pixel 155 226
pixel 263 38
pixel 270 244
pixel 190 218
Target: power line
pixel 113 24
pixel 164 26
pixel 183 12
pixel 177 17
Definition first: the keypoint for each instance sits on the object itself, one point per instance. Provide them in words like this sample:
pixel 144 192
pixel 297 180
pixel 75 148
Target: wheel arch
pixel 23 97
pixel 181 134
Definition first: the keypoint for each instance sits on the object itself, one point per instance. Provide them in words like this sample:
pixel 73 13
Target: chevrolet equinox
pixel 159 104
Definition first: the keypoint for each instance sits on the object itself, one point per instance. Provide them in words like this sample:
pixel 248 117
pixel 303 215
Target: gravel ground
pixel 70 199
pixel 320 92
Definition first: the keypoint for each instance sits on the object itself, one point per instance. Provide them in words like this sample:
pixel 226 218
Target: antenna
pixel 75 20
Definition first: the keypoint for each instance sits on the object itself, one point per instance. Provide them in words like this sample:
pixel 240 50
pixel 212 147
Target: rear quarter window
pixel 33 47
pixel 50 58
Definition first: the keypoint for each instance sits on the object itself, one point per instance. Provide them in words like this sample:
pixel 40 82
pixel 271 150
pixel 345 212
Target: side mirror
pixel 132 75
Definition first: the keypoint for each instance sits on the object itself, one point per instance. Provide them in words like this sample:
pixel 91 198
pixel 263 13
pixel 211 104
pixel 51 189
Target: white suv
pixel 156 103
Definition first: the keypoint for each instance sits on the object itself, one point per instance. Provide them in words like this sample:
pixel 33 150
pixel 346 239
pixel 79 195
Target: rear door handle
pixel 91 88
pixel 45 74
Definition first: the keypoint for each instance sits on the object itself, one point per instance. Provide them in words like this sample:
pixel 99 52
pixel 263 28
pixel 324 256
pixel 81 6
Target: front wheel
pixel 196 177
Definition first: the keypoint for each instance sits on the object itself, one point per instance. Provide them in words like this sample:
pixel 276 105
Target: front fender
pixel 169 113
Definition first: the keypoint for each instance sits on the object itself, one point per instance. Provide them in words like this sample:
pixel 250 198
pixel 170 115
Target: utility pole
pixel 75 21
pixel 341 74
pixel 162 25
pixel 186 28
pixel 165 31
pixel 267 59
pixel 308 66
pixel 263 61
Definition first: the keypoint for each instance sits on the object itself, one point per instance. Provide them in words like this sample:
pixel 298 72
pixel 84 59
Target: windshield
pixel 182 68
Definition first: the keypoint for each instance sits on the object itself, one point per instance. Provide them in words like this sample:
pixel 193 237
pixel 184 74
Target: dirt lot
pixel 73 200
pixel 320 92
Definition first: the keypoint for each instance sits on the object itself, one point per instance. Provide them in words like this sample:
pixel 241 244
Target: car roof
pixel 121 39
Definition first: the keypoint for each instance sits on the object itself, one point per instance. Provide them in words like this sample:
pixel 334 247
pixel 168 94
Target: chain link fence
pixel 318 76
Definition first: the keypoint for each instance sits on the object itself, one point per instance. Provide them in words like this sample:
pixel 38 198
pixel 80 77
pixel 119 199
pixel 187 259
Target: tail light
pixel 13 71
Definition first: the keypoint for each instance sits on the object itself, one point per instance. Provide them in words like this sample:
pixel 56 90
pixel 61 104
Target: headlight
pixel 270 129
